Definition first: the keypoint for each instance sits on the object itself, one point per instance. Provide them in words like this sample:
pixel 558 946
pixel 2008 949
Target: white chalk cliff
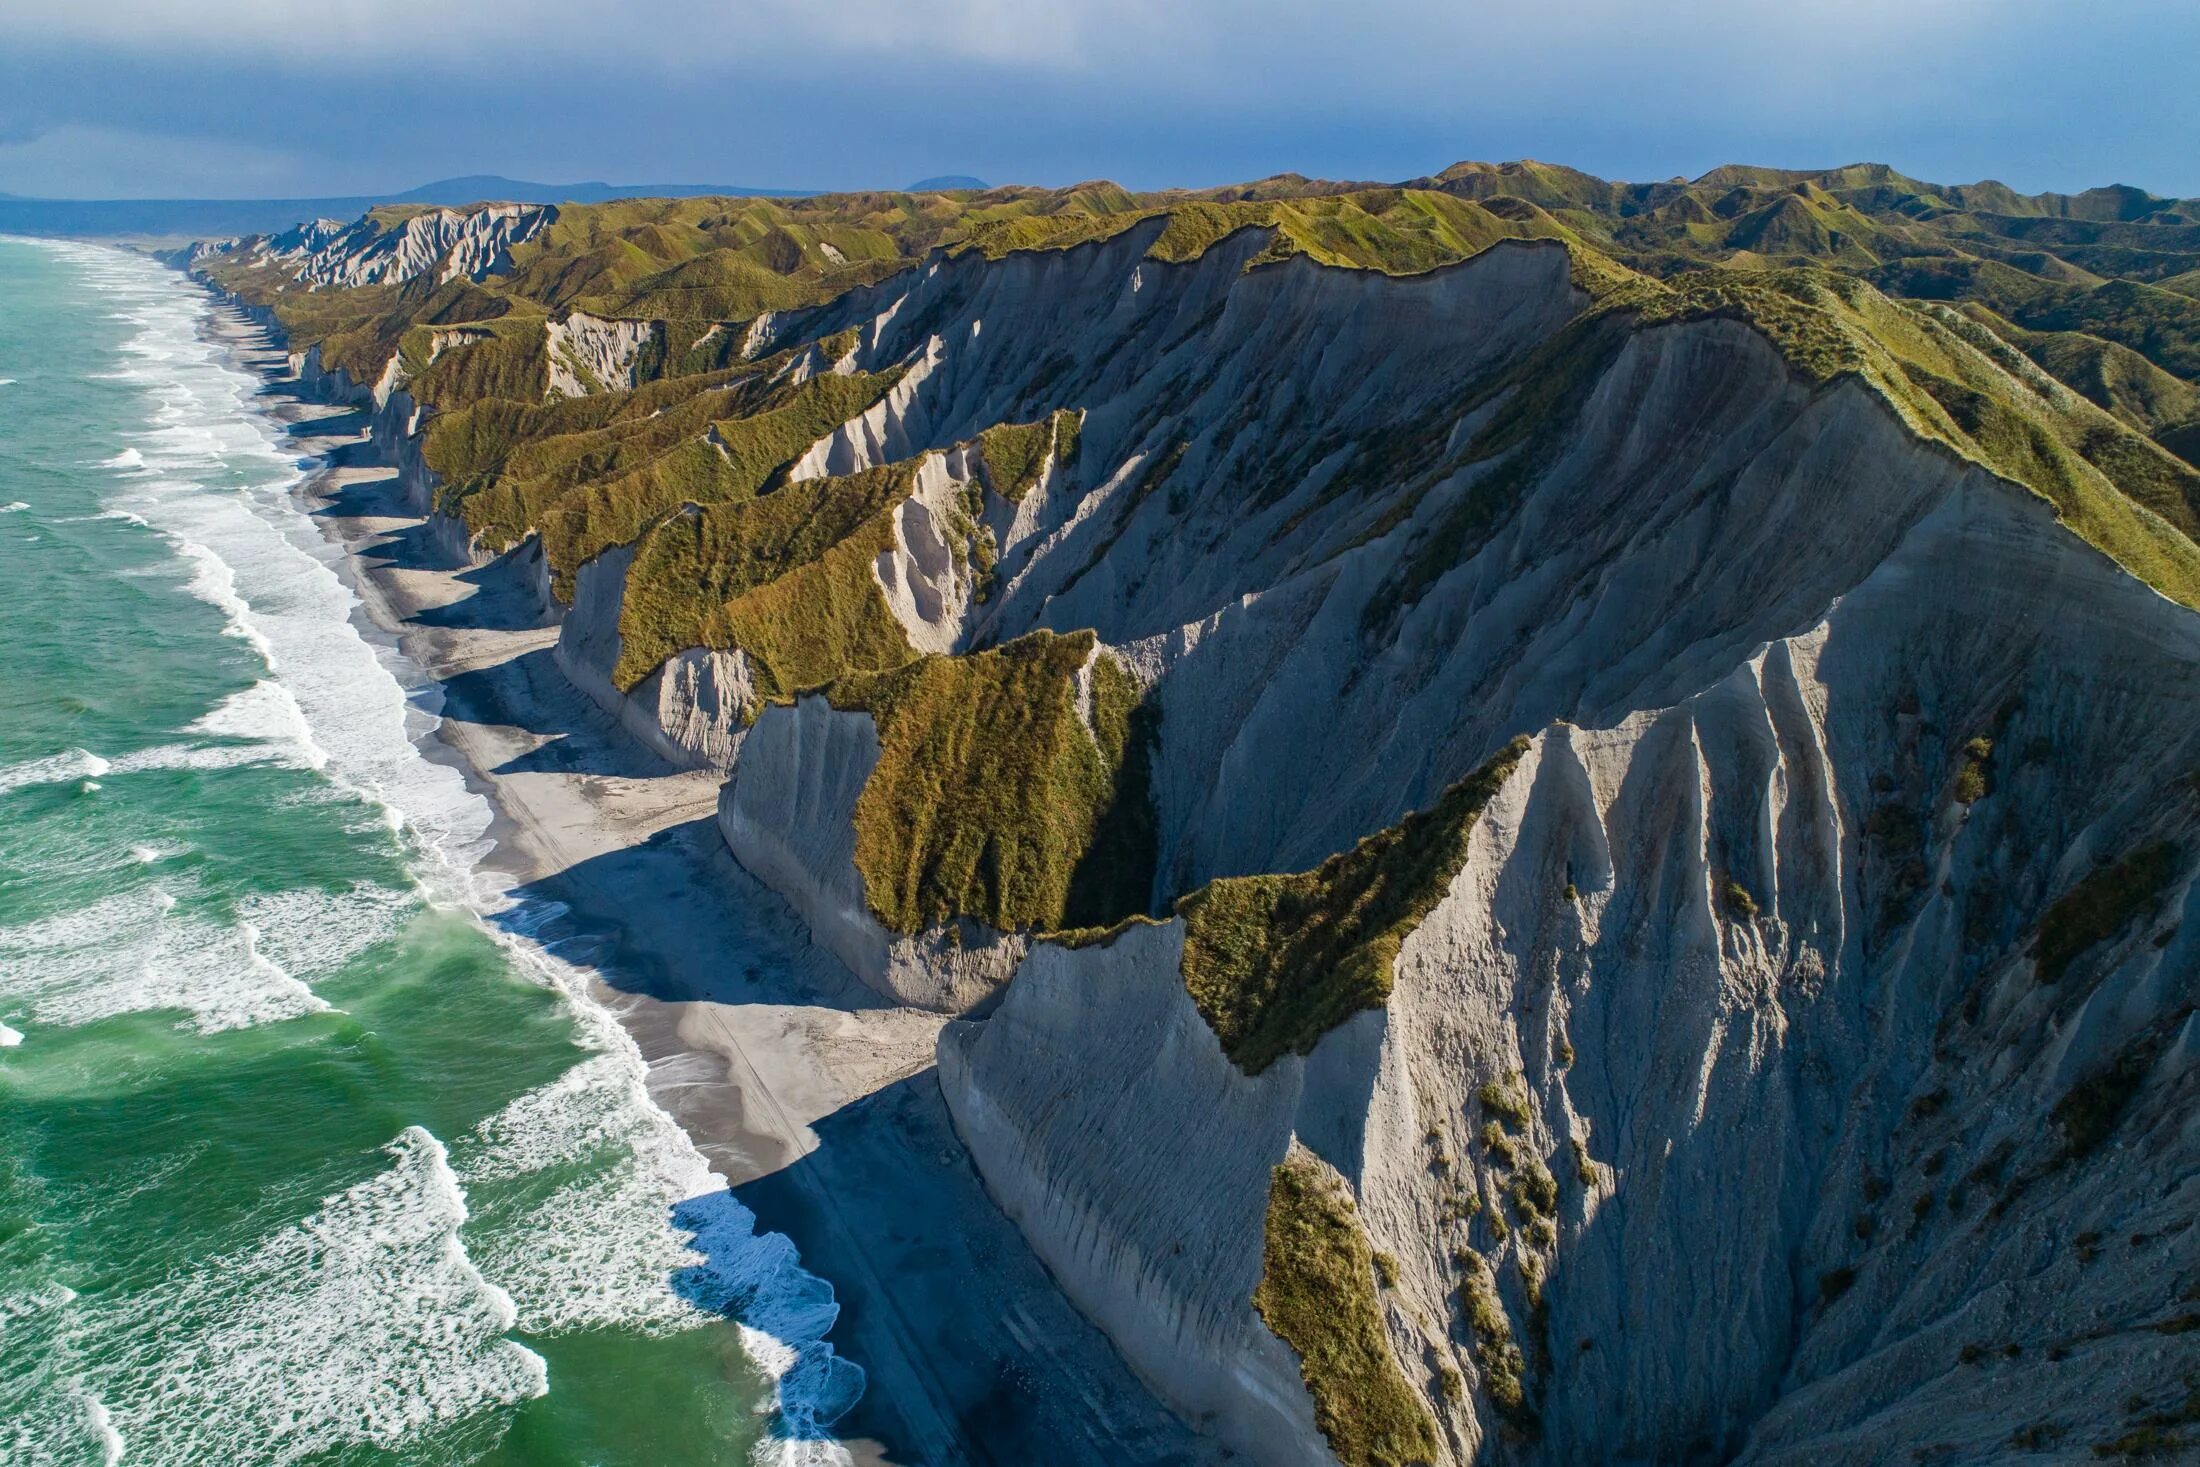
pixel 1825 723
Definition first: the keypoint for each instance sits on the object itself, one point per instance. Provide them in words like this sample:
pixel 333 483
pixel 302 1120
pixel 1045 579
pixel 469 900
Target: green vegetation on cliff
pixel 2079 285
pixel 1955 383
pixel 1015 454
pixel 1275 962
pixel 1317 1292
pixel 1115 876
pixel 1950 379
pixel 1499 1358
pixel 990 787
pixel 641 475
pixel 785 577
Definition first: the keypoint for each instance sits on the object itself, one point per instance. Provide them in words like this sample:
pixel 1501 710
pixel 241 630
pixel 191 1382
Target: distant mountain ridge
pixel 211 218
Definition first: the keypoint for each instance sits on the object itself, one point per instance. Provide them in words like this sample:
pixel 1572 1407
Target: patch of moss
pixel 2141 1441
pixel 1275 962
pixel 2089 1112
pixel 1317 1292
pixel 2101 905
pixel 511 361
pixel 1738 902
pixel 1506 1100
pixel 1534 1191
pixel 736 458
pixel 1395 231
pixel 1973 778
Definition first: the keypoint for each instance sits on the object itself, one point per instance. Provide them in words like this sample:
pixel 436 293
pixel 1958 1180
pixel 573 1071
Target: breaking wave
pixel 383 1315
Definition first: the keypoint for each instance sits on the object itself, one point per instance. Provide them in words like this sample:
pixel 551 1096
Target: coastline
pixel 811 1095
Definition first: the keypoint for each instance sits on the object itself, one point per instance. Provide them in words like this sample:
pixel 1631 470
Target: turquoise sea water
pixel 300 1159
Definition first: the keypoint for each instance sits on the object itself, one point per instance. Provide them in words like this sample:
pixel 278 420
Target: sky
pixel 289 98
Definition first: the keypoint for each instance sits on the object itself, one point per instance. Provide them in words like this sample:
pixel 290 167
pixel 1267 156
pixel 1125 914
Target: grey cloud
pixel 869 92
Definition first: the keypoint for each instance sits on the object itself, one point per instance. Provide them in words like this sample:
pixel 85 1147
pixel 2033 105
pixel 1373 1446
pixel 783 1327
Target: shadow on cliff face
pixel 528 691
pixel 497 604
pixel 926 1268
pixel 501 601
pixel 708 931
pixel 973 1355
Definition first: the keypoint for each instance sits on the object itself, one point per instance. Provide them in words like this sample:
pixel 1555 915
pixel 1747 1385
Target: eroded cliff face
pixel 1793 1153
pixel 590 354
pixel 1833 1155
pixel 450 244
pixel 1796 1066
pixel 788 814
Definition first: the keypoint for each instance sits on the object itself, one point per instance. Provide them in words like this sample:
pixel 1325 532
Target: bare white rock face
pixel 591 354
pixel 1853 1084
pixel 452 244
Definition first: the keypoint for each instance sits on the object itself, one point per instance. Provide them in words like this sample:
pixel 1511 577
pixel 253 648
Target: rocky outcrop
pixel 450 244
pixel 929 577
pixel 1108 1123
pixel 692 711
pixel 1731 933
pixel 592 354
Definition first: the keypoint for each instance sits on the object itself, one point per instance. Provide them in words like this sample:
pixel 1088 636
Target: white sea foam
pixel 130 953
pixel 317 932
pixel 364 1323
pixel 13 507
pixel 54 769
pixel 596 1249
pixel 129 458
pixel 267 712
pixel 7 381
pixel 101 1425
pixel 9 1038
pixel 32 1303
pixel 258 717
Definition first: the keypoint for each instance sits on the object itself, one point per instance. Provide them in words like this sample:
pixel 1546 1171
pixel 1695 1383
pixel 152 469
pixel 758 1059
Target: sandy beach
pixel 812 1095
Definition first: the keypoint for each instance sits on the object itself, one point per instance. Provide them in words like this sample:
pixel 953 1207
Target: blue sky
pixel 280 98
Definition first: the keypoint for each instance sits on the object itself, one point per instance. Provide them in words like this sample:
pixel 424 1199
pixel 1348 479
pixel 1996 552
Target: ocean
pixel 308 1152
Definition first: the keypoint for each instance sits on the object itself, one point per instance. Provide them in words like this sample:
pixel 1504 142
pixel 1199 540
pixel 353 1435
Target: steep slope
pixel 1780 1006
pixel 1723 1083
